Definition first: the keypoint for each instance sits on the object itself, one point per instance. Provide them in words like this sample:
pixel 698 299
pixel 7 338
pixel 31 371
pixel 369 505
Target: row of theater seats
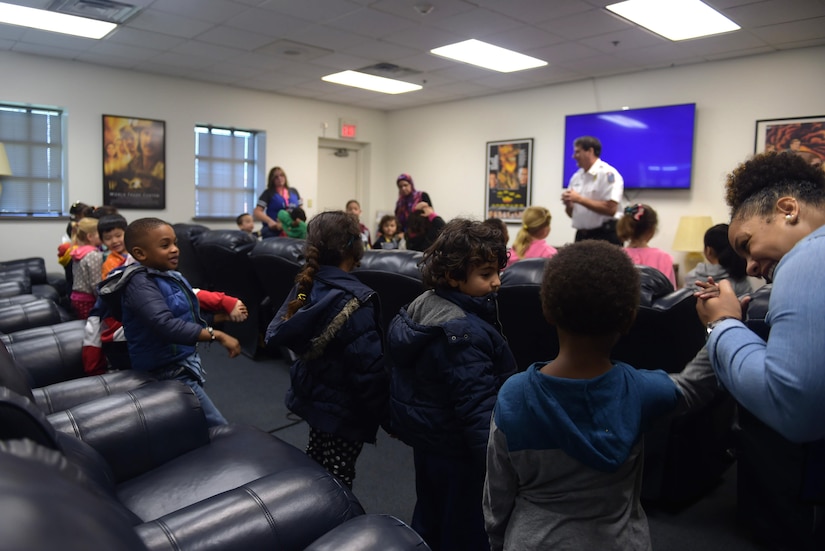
pixel 121 461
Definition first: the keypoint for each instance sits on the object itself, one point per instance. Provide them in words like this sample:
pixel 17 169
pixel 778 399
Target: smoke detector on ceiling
pixel 102 10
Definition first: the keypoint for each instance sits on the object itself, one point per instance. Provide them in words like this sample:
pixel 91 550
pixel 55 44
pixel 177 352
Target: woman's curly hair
pixel 590 288
pixel 332 237
pixel 461 245
pixel 753 187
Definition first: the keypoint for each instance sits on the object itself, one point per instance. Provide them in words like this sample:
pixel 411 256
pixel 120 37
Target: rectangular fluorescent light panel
pixel 371 82
pixel 55 22
pixel 675 19
pixel 476 52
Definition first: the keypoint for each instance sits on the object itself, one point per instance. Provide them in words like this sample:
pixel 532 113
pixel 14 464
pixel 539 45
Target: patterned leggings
pixel 335 454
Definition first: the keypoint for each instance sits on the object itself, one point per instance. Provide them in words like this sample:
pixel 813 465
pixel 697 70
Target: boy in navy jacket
pixel 160 313
pixel 448 360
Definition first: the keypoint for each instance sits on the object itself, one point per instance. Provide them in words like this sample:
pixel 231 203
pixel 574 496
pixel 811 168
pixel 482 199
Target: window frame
pixel 23 153
pixel 254 176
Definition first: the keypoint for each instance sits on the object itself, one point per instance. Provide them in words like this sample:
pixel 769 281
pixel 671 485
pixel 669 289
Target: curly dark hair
pixel 637 220
pixel 590 288
pixel 716 237
pixel 461 245
pixel 754 187
pixel 137 230
pixel 500 225
pixel 332 237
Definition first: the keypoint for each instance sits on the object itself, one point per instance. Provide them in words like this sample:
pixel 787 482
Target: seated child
pixel 564 461
pixel 448 359
pixel 111 229
pixel 423 227
pixel 388 236
pixel 638 226
pixel 159 311
pixel 87 263
pixel 722 263
pixel 294 222
pixel 246 223
pixel 354 208
pixel 530 240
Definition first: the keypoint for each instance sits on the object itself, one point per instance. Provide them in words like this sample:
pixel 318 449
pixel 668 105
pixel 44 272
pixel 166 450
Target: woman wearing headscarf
pixel 408 198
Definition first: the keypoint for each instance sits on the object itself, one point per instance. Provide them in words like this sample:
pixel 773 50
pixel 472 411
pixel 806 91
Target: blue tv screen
pixel 652 148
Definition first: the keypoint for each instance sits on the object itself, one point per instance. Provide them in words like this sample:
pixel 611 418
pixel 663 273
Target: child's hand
pixel 229 342
pixel 239 313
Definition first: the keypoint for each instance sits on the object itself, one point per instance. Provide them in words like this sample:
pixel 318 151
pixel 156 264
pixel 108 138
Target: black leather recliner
pixel 44 284
pixel 276 262
pixel 225 255
pixel 188 263
pixel 394 275
pixel 49 353
pixel 59 395
pixel 36 313
pixel 149 454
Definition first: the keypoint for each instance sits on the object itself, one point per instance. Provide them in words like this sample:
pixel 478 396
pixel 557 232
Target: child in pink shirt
pixel 530 240
pixel 637 226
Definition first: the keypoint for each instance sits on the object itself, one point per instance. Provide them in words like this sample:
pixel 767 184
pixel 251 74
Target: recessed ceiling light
pixel 55 22
pixel 476 52
pixel 675 19
pixel 371 82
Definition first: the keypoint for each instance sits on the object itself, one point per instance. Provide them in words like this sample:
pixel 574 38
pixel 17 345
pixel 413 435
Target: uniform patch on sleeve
pixel 610 178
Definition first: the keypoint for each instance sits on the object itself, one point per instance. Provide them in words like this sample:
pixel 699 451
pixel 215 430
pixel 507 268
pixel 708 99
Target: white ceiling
pixel 286 46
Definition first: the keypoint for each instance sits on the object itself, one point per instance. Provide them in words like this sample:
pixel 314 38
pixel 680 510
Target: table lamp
pixel 5 167
pixel 690 238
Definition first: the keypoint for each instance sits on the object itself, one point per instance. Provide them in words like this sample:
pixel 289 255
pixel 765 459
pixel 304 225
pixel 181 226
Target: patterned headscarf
pixel 406 204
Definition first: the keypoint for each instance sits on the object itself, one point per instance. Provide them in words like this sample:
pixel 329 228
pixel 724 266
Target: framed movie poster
pixel 804 136
pixel 134 162
pixel 509 178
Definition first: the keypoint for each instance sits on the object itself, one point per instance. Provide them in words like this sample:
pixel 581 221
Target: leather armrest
pixel 60 396
pixel 138 430
pixel 286 510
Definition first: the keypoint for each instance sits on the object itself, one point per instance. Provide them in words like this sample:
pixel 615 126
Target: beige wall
pixel 442 146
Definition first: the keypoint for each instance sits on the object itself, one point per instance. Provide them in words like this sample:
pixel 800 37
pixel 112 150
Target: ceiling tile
pixel 234 38
pixel 168 23
pixel 214 11
pixel 585 24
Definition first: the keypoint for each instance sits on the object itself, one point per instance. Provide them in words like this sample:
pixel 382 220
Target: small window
pixel 33 140
pixel 229 168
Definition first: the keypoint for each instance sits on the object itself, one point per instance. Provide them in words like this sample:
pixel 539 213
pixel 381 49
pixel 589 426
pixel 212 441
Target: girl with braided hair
pixel 330 320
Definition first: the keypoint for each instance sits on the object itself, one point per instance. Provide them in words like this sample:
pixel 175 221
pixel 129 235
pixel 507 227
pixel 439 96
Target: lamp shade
pixel 5 167
pixel 690 235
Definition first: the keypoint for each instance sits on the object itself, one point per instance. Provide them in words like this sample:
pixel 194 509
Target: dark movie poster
pixel 509 178
pixel 134 163
pixel 803 136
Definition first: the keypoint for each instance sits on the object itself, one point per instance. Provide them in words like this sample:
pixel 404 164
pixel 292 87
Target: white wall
pixel 293 127
pixel 442 146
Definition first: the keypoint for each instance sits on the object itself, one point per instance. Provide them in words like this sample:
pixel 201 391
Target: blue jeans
pixel 191 373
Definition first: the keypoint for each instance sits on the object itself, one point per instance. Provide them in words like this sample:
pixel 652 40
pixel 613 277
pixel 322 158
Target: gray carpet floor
pixel 252 392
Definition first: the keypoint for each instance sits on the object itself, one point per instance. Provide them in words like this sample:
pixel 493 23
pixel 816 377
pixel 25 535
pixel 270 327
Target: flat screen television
pixel 652 148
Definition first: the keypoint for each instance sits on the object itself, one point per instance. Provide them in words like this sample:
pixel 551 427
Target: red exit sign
pixel 347 129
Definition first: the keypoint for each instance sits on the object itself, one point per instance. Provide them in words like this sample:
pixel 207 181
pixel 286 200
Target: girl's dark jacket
pixel 448 360
pixel 339 384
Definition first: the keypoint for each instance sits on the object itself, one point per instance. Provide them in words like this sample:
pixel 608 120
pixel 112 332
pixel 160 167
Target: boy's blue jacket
pixel 339 384
pixel 448 361
pixel 160 315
